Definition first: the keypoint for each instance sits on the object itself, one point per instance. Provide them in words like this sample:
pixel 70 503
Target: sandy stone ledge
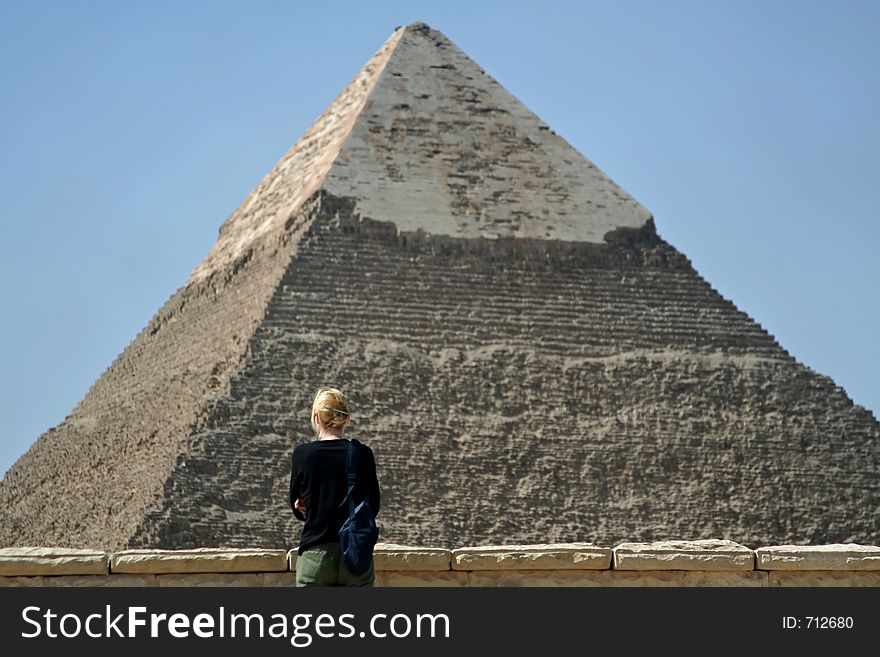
pixel 422 578
pixel 666 563
pixel 836 556
pixel 192 580
pixel 389 556
pixel 32 561
pixel 545 556
pixel 815 578
pixel 202 560
pixel 81 581
pixel 711 554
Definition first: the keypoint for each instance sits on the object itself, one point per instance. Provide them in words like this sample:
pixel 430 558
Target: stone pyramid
pixel 528 358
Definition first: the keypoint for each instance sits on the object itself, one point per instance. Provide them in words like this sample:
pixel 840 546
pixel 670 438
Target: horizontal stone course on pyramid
pixel 530 361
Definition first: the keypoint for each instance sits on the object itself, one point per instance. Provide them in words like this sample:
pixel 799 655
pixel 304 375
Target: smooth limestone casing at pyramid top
pixel 528 359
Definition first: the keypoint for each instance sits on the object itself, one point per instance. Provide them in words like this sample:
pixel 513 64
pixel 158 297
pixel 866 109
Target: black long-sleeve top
pixel 318 476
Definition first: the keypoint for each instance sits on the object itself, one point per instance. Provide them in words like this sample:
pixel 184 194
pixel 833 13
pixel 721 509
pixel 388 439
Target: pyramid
pixel 529 360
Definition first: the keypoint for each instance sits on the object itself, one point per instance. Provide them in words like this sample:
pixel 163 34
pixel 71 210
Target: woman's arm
pixel 296 503
pixel 372 481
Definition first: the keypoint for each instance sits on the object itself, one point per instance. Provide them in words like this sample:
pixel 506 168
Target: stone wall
pixel 712 562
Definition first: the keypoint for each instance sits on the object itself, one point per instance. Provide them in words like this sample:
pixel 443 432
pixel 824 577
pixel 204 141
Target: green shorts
pixel 322 565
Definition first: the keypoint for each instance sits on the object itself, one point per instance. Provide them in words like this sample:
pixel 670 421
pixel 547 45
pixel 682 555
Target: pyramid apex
pixel 440 146
pixel 425 139
pixel 419 26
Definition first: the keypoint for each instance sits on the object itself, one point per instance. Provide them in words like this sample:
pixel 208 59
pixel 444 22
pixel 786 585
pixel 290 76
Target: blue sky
pixel 129 131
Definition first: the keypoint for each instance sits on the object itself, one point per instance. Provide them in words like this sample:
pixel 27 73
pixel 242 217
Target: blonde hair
pixel 331 407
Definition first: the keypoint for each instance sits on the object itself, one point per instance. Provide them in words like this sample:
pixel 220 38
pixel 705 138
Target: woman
pixel 318 488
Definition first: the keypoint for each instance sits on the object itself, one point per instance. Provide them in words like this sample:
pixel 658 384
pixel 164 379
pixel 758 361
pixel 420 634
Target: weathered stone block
pixel 84 581
pixel 710 554
pixel 221 579
pixel 27 561
pixel 542 556
pixel 202 560
pixel 646 578
pixel 389 556
pixel 725 578
pixel 552 578
pixel 414 578
pixel 836 556
pixel 815 578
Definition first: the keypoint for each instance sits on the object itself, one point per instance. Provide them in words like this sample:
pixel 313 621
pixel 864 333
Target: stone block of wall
pixel 552 578
pixel 710 554
pixel 201 560
pixel 816 578
pixel 836 556
pixel 552 556
pixel 413 578
pixel 227 579
pixel 389 556
pixel 646 578
pixel 728 578
pixel 31 561
pixel 81 581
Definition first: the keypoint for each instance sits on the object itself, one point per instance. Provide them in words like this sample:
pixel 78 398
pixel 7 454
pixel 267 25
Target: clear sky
pixel 129 131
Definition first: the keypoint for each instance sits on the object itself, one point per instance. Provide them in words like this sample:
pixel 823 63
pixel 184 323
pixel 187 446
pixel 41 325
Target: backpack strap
pixel 351 460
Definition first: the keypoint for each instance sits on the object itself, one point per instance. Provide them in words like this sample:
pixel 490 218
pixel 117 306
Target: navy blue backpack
pixel 358 534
